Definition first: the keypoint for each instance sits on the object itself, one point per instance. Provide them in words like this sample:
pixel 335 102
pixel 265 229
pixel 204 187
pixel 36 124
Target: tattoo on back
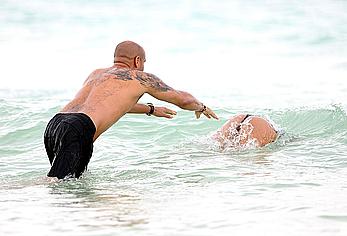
pixel 146 79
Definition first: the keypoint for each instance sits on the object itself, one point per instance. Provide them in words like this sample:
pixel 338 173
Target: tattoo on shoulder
pixel 121 74
pixel 146 79
pixel 150 80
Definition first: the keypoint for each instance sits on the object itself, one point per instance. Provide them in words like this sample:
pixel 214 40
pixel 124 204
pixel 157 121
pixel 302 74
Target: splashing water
pixel 235 139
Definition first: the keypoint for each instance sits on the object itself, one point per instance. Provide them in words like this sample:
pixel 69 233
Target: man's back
pixel 106 96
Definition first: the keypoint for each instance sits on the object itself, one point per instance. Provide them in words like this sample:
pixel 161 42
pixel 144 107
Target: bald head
pixel 131 54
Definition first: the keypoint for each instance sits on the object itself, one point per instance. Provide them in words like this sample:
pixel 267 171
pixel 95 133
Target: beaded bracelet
pixel 151 109
pixel 203 109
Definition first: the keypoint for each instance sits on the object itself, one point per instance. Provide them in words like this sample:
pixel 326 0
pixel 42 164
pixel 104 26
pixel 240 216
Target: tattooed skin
pixel 121 74
pixel 146 79
pixel 74 107
pixel 152 81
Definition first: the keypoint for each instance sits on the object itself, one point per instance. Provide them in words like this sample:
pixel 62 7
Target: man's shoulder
pixel 100 70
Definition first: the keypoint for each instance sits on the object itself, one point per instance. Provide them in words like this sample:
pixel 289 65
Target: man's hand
pixel 163 112
pixel 150 109
pixel 207 112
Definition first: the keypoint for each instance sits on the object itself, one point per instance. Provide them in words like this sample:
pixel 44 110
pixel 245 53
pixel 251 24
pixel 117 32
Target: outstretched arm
pixel 149 109
pixel 158 89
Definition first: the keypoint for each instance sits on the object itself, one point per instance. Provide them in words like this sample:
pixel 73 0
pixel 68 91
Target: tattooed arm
pixel 158 89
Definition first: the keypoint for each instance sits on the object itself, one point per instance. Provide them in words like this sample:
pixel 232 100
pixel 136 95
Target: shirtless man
pixel 106 95
pixel 242 129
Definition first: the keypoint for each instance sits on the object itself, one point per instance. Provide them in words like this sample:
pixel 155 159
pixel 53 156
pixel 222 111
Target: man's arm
pixel 158 89
pixel 156 111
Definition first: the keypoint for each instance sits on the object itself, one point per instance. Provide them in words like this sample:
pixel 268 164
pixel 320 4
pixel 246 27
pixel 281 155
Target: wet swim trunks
pixel 69 144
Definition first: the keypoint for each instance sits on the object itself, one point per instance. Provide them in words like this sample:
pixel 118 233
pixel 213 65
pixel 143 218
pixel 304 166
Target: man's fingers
pixel 166 115
pixel 207 115
pixel 214 115
pixel 164 112
pixel 211 114
pixel 171 112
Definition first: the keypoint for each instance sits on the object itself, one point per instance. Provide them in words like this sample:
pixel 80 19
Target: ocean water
pixel 285 60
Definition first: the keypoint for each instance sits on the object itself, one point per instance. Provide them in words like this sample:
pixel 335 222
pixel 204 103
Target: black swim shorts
pixel 69 144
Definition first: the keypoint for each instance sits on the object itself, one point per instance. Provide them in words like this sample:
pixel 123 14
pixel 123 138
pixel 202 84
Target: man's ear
pixel 137 61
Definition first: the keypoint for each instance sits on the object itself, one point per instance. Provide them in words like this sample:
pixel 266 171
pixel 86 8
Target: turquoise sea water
pixel 149 176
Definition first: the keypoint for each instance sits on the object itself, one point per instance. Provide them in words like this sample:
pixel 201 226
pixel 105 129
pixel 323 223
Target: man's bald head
pixel 131 54
pixel 129 50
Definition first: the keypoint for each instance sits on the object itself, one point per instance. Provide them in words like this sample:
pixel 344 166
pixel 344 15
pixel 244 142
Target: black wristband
pixel 204 108
pixel 151 109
